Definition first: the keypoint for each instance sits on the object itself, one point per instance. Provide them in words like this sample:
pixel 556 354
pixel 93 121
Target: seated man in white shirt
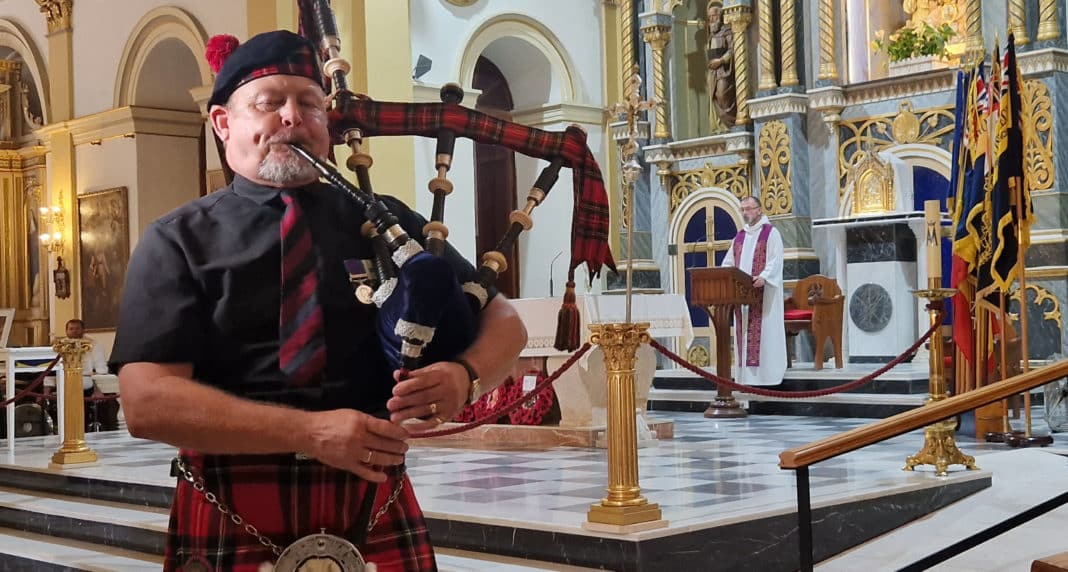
pixel 92 362
pixel 105 413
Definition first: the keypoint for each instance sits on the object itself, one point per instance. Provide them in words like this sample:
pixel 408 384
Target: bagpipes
pixel 425 314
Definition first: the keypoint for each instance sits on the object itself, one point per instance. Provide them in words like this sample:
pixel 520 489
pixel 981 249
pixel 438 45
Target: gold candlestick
pixel 939 447
pixel 73 450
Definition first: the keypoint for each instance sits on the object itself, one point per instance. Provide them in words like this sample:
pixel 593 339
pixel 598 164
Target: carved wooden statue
pixel 720 51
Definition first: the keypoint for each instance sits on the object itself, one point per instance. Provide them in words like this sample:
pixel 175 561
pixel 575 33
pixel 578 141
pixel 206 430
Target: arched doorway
pixel 495 186
pixel 538 73
pixel 161 62
pixel 702 229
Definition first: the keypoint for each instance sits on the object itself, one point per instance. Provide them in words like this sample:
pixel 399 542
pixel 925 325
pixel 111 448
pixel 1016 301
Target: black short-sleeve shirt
pixel 202 287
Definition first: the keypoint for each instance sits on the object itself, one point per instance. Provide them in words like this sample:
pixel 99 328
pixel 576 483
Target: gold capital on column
pixel 973 26
pixel 738 18
pixel 767 55
pixel 828 68
pixel 788 32
pixel 1048 28
pixel 1018 21
pixel 658 37
pixel 73 450
pixel 57 12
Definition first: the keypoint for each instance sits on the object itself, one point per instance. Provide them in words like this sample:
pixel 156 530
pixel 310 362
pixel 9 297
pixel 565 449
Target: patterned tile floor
pixel 712 472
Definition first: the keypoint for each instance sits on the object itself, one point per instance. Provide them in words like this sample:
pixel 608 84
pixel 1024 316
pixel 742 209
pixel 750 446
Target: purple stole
pixel 756 311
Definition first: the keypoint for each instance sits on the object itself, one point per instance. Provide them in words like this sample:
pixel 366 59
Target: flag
pixel 963 334
pixel 969 191
pixel 1010 226
pixel 983 223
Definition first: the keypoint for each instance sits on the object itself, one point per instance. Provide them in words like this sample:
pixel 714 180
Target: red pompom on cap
pixel 218 49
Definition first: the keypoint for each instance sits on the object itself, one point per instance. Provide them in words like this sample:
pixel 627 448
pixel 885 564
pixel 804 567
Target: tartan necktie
pixel 302 347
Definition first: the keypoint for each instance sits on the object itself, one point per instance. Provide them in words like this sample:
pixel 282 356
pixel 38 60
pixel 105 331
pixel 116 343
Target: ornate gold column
pixel 1048 28
pixel 1018 21
pixel 973 26
pixel 828 53
pixel 657 34
pixel 624 505
pixel 788 32
pixel 73 450
pixel 626 36
pixel 738 18
pixel 767 54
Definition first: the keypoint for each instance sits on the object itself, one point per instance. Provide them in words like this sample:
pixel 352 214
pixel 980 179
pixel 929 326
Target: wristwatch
pixel 476 386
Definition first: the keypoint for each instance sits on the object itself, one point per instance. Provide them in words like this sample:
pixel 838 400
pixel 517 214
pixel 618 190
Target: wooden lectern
pixel 719 291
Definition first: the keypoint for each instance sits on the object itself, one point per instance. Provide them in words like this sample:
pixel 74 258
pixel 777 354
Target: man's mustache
pixel 286 139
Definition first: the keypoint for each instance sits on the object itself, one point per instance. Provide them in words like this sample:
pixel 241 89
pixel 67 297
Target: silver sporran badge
pixel 320 553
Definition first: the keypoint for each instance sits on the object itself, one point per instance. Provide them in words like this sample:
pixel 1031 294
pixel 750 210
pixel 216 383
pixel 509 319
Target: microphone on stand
pixel 551 272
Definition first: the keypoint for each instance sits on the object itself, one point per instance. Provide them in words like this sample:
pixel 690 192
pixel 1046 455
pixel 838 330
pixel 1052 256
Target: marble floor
pixel 712 472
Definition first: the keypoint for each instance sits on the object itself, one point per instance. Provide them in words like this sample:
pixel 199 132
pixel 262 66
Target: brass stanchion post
pixel 624 509
pixel 73 450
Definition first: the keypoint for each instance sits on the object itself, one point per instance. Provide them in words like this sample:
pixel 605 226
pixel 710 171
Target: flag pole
pixel 1003 345
pixel 1027 440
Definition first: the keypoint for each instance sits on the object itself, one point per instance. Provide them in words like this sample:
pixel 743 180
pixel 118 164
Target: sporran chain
pixel 198 485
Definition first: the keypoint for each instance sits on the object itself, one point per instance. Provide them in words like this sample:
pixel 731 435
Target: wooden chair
pixel 816 305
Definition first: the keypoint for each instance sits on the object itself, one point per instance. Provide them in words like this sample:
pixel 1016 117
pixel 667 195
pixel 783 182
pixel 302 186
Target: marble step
pixel 108 524
pixel 657 394
pixel 27 551
pixel 86 487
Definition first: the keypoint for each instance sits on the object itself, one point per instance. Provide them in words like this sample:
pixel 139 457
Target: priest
pixel 760 334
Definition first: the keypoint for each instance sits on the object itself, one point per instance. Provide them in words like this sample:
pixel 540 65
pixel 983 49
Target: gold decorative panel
pixel 775 169
pixel 1038 147
pixel 872 180
pixel 734 178
pixel 1041 295
pixel 933 126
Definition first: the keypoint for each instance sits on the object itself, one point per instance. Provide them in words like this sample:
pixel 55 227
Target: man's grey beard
pixel 286 168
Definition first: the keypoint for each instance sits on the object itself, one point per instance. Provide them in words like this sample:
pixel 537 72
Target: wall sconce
pixel 52 217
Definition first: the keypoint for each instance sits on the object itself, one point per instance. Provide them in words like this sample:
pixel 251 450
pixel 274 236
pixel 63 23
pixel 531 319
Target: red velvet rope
pixel 505 409
pixel 33 385
pixel 799 394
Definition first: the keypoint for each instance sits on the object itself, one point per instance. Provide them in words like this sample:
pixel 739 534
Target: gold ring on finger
pixel 438 420
pixel 367 461
pixel 434 408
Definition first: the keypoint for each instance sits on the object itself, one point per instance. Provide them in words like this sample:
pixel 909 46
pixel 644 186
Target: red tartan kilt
pixel 286 499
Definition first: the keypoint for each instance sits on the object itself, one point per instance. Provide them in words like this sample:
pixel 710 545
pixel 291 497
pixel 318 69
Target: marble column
pixel 782 178
pixel 1047 256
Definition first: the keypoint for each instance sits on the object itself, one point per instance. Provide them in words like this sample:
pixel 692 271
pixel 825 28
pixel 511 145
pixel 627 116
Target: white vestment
pixel 773 330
